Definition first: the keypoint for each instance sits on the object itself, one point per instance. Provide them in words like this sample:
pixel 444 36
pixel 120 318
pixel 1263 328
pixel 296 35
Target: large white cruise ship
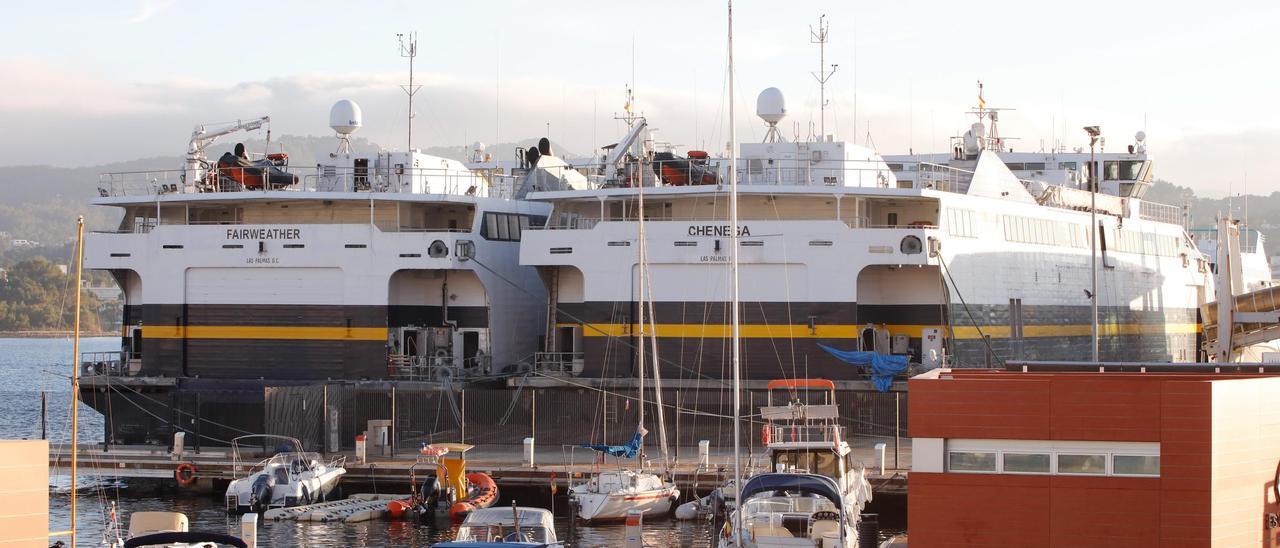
pixel 962 259
pixel 364 265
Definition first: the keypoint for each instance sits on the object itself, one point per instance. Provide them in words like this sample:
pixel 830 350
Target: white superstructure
pixel 364 265
pixel 842 247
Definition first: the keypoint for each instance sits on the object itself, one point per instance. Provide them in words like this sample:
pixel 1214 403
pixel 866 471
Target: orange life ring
pixel 764 434
pixel 185 474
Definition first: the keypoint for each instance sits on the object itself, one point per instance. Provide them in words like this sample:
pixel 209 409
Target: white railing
pixel 944 178
pixel 307 179
pixel 1161 213
pixel 805 433
pixel 588 223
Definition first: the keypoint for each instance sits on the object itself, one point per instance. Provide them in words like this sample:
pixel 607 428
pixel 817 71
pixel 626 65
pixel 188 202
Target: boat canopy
pixel 529 517
pixel 807 484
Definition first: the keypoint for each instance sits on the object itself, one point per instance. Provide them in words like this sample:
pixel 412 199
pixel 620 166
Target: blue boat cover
pixel 883 366
pixel 628 451
pixel 807 484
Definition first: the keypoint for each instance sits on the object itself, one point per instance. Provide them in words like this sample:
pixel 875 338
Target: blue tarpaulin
pixel 627 451
pixel 883 366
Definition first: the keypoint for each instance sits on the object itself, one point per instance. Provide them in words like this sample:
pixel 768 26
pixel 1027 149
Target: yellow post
pixel 75 374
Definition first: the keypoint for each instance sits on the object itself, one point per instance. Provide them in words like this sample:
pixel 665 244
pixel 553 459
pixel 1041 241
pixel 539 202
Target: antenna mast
pixel 736 364
pixel 409 49
pixel 819 37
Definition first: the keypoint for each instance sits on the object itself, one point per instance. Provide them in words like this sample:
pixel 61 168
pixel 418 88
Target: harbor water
pixel 29 367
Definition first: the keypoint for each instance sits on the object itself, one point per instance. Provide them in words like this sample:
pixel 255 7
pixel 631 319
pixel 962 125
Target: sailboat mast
pixel 640 323
pixel 75 375
pixel 658 404
pixel 733 271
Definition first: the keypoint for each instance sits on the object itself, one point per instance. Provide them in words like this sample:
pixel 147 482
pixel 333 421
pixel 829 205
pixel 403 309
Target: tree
pixel 37 296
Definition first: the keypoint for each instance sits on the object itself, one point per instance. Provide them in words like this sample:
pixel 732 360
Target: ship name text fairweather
pixel 264 233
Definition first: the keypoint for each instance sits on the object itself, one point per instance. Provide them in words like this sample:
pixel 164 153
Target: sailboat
pixel 611 495
pixel 168 529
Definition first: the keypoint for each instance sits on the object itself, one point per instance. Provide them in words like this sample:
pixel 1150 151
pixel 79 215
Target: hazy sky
pixel 93 82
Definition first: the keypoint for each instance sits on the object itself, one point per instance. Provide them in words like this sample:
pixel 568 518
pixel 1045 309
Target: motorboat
pixel 517 526
pixel 167 529
pixel 289 477
pixel 810 460
pixel 792 509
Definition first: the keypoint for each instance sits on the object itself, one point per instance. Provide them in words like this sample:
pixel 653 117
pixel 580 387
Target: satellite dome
pixel 345 117
pixel 1140 136
pixel 478 146
pixel 771 106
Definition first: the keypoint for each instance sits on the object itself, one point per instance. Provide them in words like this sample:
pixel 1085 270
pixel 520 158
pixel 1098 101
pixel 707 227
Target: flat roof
pixel 1107 370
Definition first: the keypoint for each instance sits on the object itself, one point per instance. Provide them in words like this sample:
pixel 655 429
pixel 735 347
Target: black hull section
pixel 211 413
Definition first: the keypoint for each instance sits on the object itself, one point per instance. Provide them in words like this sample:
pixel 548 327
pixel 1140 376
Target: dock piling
pixel 249 529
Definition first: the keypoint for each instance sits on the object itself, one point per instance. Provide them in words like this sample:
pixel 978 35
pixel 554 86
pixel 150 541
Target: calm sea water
pixel 29 367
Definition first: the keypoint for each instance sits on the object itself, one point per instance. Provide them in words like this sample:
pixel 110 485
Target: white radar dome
pixel 771 106
pixel 1140 136
pixel 345 117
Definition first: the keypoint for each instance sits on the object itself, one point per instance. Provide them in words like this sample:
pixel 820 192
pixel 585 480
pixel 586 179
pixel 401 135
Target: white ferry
pixel 364 265
pixel 963 260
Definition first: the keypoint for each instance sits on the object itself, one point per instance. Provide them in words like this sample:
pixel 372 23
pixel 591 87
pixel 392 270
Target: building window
pixel 1026 463
pixel 971 461
pixel 1082 464
pixel 1050 457
pixel 1135 465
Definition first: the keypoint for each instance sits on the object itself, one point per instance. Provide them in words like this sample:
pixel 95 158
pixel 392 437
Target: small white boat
pixel 817 492
pixel 165 529
pixel 793 509
pixel 610 495
pixel 516 526
pixel 291 477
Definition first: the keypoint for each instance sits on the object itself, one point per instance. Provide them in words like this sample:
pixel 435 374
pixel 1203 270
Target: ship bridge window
pixel 823 462
pixel 1122 170
pixel 507 227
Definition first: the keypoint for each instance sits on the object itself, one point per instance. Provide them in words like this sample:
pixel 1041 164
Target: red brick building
pixel 1013 458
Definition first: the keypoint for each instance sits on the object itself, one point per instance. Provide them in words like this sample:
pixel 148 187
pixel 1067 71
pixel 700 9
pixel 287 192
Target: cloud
pixel 78 117
pixel 147 10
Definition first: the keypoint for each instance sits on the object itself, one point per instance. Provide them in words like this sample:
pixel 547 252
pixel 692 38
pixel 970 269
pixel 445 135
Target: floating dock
pixel 506 464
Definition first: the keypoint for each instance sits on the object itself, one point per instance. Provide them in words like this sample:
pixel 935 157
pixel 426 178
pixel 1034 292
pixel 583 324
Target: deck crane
pixel 196 164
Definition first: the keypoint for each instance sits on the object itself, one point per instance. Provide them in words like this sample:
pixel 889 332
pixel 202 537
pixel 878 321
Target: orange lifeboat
pixel 482 492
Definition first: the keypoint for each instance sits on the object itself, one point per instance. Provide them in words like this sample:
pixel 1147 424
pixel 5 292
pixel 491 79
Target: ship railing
pixel 569 363
pixel 809 171
pixel 437 368
pixel 105 364
pixel 942 177
pixel 588 223
pixel 806 433
pixel 308 179
pixel 1161 213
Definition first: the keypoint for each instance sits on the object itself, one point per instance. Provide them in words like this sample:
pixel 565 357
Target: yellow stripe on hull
pixel 757 331
pixel 265 332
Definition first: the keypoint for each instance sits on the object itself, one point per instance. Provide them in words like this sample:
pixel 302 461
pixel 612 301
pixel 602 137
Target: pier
pixel 506 464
